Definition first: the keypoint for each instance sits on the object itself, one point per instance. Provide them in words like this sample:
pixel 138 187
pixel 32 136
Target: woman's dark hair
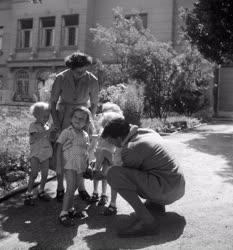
pixel 115 128
pixel 78 60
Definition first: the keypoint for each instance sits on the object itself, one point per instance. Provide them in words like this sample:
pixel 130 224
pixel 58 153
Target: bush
pixel 14 149
pixel 128 97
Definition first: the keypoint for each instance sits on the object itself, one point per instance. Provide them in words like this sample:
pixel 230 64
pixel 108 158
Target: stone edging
pixel 21 189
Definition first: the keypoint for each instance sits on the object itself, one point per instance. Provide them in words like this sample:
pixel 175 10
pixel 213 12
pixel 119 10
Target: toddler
pixel 106 155
pixel 40 151
pixel 72 155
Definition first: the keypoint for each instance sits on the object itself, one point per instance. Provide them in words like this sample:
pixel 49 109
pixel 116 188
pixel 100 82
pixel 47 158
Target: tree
pixel 121 37
pixel 153 64
pixel 209 26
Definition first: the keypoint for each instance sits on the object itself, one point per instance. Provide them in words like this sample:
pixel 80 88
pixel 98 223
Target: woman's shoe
pixel 103 200
pixel 110 210
pixel 79 215
pixel 29 200
pixel 66 220
pixel 84 196
pixel 60 195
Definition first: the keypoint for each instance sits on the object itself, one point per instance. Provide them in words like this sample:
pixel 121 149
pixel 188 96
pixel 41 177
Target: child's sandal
pixel 94 197
pixel 66 220
pixel 110 210
pixel 103 200
pixel 75 214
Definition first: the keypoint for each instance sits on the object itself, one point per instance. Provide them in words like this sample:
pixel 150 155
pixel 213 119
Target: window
pixel 22 86
pixel 47 25
pixel 143 16
pixel 25 31
pixel 70 30
pixel 1 37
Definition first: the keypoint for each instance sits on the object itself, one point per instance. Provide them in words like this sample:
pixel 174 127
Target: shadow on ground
pixel 217 144
pixel 171 228
pixel 38 226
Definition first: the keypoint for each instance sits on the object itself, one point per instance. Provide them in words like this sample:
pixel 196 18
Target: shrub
pixel 128 97
pixel 189 95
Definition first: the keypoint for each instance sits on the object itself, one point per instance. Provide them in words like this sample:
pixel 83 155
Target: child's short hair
pixel 82 109
pixel 108 116
pixel 90 124
pixel 39 107
pixel 112 107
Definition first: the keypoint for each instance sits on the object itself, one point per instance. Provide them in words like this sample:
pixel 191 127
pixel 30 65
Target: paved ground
pixel 203 219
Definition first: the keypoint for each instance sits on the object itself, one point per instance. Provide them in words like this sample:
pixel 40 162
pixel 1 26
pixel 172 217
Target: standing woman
pixel 73 87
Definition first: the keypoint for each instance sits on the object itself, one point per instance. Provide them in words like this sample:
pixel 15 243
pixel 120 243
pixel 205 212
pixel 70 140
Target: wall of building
pixel 36 60
pixel 159 17
pixel 5 15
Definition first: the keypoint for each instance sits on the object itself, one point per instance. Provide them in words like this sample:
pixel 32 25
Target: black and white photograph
pixel 116 124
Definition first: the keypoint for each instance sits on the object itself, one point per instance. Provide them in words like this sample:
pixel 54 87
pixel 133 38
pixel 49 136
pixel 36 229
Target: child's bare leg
pixel 83 194
pixel 60 177
pixel 113 197
pixel 104 182
pixel 95 186
pixel 60 181
pixel 82 185
pixel 70 190
pixel 44 174
pixel 79 182
pixel 104 187
pixel 35 166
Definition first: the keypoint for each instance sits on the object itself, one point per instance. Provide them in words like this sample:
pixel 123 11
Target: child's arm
pixel 59 168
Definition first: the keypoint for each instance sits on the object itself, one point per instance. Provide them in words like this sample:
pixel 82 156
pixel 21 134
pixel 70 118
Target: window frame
pixel 24 81
pixel 66 32
pixel 141 15
pixel 21 44
pixel 43 33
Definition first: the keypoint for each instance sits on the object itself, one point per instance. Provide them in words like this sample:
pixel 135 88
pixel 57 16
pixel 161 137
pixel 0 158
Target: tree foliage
pixel 153 64
pixel 192 83
pixel 209 25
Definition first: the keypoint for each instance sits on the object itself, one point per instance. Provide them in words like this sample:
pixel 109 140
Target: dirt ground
pixel 202 219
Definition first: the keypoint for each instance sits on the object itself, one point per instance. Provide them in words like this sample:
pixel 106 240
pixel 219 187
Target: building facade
pixel 35 38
